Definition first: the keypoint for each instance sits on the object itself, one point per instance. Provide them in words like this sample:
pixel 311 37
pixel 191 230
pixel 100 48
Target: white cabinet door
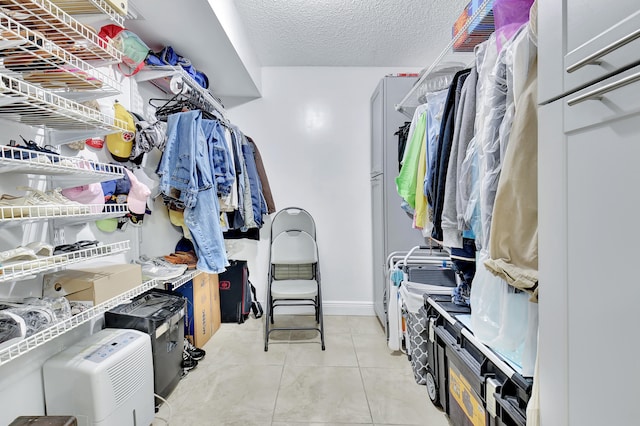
pixel 378 235
pixel 603 149
pixel 602 137
pixel 584 41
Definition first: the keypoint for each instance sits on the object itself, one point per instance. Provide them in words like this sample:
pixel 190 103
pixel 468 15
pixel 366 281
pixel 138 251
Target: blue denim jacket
pixel 257 199
pixel 186 174
pixel 221 162
pixel 180 175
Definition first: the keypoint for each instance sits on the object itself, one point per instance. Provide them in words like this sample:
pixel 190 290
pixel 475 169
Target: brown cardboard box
pixel 215 303
pixel 202 330
pixel 95 285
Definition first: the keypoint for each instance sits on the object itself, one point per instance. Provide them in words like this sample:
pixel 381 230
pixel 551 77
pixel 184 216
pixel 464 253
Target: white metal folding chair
pixel 294 273
pixel 291 218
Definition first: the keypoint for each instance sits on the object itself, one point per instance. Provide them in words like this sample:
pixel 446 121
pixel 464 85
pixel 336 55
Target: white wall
pixel 312 127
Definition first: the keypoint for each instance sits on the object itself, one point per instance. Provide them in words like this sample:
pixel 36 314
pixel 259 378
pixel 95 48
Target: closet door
pixel 603 148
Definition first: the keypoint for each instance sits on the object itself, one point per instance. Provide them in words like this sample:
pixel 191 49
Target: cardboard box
pixel 216 317
pixel 94 285
pixel 198 324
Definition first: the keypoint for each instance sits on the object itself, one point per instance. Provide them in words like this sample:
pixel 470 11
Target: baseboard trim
pixel 333 308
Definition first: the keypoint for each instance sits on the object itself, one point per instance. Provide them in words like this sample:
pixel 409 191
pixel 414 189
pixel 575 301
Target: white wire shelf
pixel 460 48
pixel 61 214
pixel 65 31
pixel 34 58
pixel 34 106
pixel 109 211
pixel 29 268
pixel 24 346
pixel 161 76
pixel 180 281
pixel 66 172
pixel 91 7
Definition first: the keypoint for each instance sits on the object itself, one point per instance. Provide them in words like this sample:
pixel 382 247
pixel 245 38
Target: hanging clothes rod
pixel 482 10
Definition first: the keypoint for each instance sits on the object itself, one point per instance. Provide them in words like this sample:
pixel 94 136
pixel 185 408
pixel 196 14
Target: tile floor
pixel 357 380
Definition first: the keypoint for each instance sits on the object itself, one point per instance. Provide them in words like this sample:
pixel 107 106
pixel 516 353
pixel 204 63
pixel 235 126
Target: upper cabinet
pixel 584 41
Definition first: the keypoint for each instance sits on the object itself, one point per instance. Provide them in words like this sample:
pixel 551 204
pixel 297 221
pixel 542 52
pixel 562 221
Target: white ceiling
pixel 348 32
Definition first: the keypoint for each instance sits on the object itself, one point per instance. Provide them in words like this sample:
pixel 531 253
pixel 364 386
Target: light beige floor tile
pixel 321 394
pixel 246 348
pixel 336 324
pixel 236 393
pixel 366 325
pixel 319 388
pixel 395 398
pixel 372 351
pixel 339 350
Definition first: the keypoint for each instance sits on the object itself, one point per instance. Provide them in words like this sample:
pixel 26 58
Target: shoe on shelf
pixel 55 195
pixel 40 248
pixel 183 258
pixel 188 363
pixel 35 203
pixel 63 205
pixel 159 269
pixel 17 254
pixel 13 207
pixel 196 353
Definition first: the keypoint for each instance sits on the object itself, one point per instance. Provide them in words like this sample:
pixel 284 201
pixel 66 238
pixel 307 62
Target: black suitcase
pixel 236 302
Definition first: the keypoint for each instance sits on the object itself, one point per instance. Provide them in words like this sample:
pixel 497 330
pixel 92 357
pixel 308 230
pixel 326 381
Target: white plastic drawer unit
pixel 599 39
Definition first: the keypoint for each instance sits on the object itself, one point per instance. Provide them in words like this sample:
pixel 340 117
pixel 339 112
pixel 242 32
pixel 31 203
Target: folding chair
pixel 293 218
pixel 294 272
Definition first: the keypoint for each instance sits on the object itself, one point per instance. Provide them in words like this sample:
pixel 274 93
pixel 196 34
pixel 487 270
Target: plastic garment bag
pixel 504 318
pixel 509 16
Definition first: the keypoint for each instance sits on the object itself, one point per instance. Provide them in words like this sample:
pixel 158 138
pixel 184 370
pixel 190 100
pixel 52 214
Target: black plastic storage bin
pixel 475 386
pixel 436 373
pixel 511 405
pixel 159 314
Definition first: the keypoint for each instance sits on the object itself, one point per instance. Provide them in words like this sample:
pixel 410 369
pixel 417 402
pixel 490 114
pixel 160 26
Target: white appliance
pixel 105 379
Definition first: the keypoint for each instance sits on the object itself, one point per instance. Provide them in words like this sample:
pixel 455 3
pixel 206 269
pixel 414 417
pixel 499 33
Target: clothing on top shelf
pixel 458 142
pixel 264 181
pixel 462 135
pixel 513 244
pixel 403 135
pixel 406 180
pixel 420 214
pixel 257 199
pixel 234 200
pixel 435 193
pixel 185 174
pixel 435 109
pixel 208 168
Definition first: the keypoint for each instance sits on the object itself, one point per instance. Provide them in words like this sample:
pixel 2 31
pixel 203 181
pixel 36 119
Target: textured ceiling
pixel 348 32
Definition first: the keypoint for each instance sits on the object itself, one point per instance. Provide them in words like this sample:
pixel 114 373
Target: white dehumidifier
pixel 105 379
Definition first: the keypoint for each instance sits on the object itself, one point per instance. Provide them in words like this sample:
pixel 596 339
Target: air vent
pixel 125 377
